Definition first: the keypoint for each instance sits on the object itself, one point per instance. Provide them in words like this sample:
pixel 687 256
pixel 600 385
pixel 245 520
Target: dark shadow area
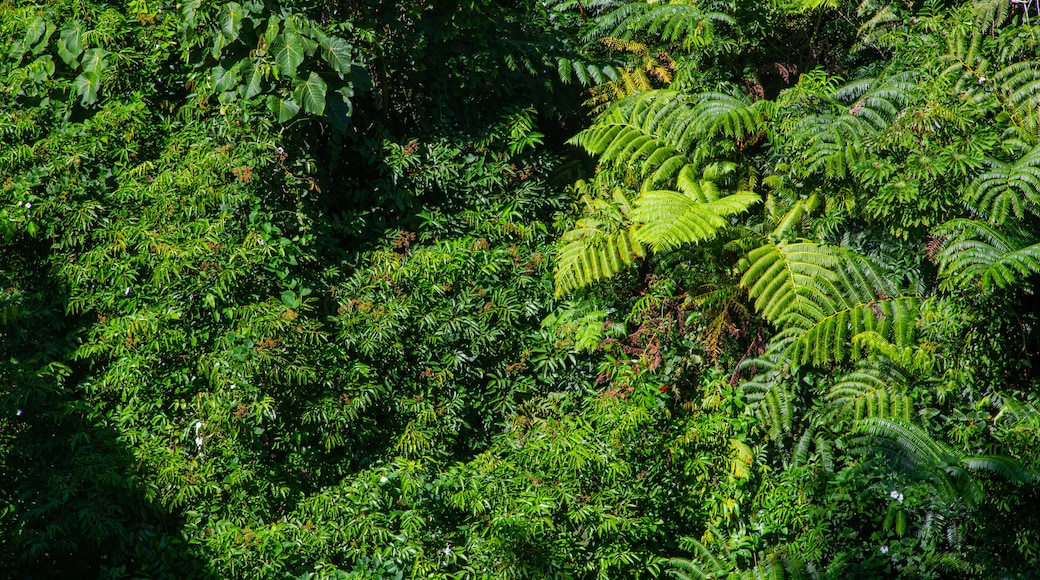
pixel 73 500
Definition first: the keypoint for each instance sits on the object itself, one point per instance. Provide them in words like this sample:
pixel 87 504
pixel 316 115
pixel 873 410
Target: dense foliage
pixel 519 289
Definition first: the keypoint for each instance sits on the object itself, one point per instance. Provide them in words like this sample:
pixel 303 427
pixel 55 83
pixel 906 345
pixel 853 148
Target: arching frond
pixel 1008 189
pixel 693 214
pixel 872 390
pixel 833 142
pixel 658 133
pixel 912 451
pixel 781 277
pixel 600 245
pixel 683 24
pixel 829 295
pixel 646 133
pixel 862 299
pixel 977 253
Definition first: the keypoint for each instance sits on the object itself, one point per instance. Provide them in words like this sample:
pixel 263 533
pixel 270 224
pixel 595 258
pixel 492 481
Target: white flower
pixel 18 413
pixel 447 550
pixel 884 549
pixel 895 495
pixel 127 291
pixel 28 206
pixel 900 498
pixel 383 479
pixel 21 203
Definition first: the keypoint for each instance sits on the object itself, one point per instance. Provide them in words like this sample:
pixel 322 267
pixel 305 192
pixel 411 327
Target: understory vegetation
pixel 514 289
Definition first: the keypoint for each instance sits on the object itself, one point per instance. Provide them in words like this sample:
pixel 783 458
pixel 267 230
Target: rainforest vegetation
pixel 398 289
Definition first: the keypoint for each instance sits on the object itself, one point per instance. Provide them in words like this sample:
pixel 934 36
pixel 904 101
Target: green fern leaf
pixel 990 257
pixel 1008 189
pixel 600 245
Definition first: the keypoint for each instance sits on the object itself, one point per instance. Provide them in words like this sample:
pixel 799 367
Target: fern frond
pixel 863 298
pixel 646 131
pixel 673 218
pixel 600 245
pixel 872 390
pixel 834 141
pixel 1008 189
pixel 781 277
pixel 981 254
pixel 683 24
pixel 913 451
pixel 829 295
pixel 658 133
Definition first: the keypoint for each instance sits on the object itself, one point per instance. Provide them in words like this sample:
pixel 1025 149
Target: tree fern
pixel 833 141
pixel 680 23
pixel 1008 188
pixel 658 133
pixel 864 299
pixel 986 256
pixel 782 277
pixel 600 245
pixel 693 214
pixel 829 294
pixel 911 450
pixel 874 389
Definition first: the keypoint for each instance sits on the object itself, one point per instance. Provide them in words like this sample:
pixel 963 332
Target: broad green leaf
pixel 70 43
pixel 311 94
pixel 189 11
pixel 41 69
pixel 35 31
pixel 226 79
pixel 340 109
pixel 231 15
pixel 360 79
pixel 87 85
pixel 284 109
pixel 94 60
pixel 288 53
pixel 338 54
pixel 253 76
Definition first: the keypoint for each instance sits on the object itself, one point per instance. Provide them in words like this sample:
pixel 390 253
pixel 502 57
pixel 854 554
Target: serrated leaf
pixel 338 54
pixel 311 94
pixel 288 53
pixel 94 60
pixel 87 85
pixel 284 109
pixel 70 43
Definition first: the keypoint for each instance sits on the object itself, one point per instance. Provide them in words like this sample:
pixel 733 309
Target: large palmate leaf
pixel 338 54
pixel 70 43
